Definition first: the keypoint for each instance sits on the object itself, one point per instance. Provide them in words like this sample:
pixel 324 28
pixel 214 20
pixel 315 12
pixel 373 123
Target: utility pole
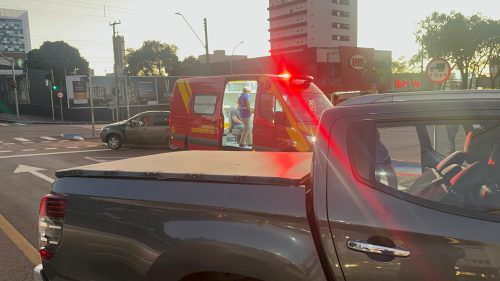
pixel 206 45
pixel 207 59
pixel 15 88
pixel 116 69
pixel 51 82
pixel 91 95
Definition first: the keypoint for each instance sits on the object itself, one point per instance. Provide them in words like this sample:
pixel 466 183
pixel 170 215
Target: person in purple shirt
pixel 245 110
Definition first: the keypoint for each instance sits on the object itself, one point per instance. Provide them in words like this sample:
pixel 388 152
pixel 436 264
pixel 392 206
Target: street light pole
pixel 12 61
pixel 232 53
pixel 205 45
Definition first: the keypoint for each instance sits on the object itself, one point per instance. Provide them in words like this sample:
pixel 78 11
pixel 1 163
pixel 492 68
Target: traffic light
pixel 55 87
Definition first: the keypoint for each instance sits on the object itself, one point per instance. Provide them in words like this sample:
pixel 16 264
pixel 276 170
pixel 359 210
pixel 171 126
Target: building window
pixel 342 2
pixel 341 25
pixel 339 13
pixel 344 14
pixel 340 38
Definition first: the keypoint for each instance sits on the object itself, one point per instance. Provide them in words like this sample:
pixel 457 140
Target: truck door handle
pixel 365 247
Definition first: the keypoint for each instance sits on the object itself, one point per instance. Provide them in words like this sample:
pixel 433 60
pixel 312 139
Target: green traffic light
pixel 54 87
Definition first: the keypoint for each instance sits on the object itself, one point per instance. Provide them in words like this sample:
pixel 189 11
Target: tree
pixel 464 41
pixel 154 58
pixel 189 66
pixel 60 57
pixel 401 65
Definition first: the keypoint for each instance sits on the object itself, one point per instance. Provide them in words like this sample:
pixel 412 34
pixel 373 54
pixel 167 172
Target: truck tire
pixel 114 141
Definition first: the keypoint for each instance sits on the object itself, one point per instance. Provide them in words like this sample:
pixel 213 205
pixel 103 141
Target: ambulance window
pixel 266 106
pixel 204 104
pixel 269 106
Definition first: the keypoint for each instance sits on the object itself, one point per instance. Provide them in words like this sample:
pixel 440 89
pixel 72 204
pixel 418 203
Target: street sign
pixel 60 95
pixel 438 70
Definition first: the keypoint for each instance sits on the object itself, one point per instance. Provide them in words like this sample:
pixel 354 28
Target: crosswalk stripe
pixel 5 125
pixel 30 149
pixel 20 124
pixel 5 151
pixel 48 138
pixel 22 139
pixel 50 148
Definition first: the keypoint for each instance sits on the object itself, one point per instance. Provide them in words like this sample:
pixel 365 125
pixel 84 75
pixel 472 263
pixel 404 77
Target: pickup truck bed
pixel 160 218
pixel 286 168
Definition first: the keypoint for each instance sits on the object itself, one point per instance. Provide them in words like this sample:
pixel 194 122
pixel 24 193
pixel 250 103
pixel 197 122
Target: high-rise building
pixel 299 24
pixel 14 31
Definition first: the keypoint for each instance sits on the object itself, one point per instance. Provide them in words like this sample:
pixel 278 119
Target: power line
pixel 95 8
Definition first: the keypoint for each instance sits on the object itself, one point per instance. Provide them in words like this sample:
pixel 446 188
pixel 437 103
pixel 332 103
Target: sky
pixel 382 24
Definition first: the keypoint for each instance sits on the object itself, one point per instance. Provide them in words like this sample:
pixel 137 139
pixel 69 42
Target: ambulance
pixel 286 111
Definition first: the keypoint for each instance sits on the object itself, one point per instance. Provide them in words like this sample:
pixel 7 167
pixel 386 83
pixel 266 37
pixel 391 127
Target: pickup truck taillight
pixel 50 223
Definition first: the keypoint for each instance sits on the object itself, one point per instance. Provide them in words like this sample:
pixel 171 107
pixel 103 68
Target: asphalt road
pixel 20 193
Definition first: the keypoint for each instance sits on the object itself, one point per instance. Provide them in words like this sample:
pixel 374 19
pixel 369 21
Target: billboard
pixel 141 91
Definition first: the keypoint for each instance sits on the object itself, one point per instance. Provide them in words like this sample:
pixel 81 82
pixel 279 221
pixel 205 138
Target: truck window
pixel 204 104
pixel 465 174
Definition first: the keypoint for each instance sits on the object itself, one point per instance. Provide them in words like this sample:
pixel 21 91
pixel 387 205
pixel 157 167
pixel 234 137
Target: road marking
pixel 72 147
pixel 5 151
pixel 28 142
pixel 21 243
pixel 46 141
pixel 94 145
pixel 52 153
pixel 7 143
pixel 103 159
pixel 22 139
pixel 48 138
pixel 3 124
pixel 34 171
pixel 20 124
pixel 51 148
pixel 31 149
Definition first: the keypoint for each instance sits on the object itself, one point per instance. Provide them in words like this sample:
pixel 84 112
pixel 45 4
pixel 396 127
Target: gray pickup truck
pixel 402 187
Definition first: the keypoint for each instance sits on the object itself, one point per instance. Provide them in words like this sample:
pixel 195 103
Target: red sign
pixel 404 83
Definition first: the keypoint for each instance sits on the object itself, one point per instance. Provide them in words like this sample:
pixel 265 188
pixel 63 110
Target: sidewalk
pixel 84 132
pixel 32 119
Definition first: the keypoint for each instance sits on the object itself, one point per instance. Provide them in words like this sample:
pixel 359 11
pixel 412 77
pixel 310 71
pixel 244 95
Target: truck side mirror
pixel 280 119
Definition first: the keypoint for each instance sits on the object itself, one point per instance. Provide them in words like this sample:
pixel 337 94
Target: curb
pixel 49 122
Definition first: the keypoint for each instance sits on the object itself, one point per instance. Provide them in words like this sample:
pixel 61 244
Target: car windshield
pixel 305 98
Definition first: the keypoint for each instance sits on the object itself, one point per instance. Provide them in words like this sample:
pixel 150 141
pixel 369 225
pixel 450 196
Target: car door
pixel 270 125
pixel 136 132
pixel 386 224
pixel 159 132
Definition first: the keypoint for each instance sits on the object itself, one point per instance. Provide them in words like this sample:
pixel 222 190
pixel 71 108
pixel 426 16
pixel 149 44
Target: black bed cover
pixel 281 168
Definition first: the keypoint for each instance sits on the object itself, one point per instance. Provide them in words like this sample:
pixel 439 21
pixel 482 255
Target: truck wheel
pixel 114 141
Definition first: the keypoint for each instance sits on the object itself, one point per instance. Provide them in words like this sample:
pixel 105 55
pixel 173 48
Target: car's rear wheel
pixel 114 141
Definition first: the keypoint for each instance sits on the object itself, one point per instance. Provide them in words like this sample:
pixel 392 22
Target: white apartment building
pixel 14 31
pixel 299 24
